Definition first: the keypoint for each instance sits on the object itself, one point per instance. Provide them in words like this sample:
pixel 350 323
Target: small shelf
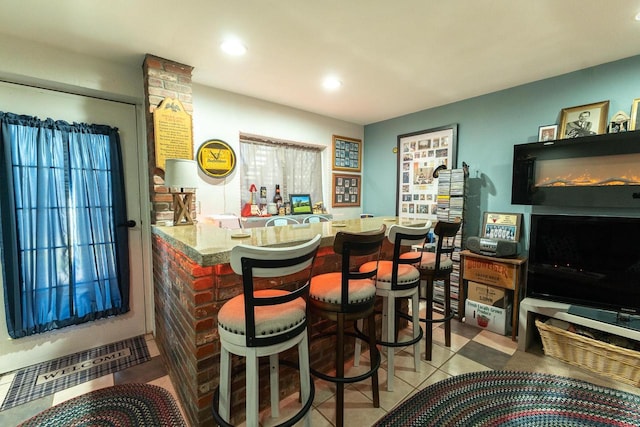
pixel 529 307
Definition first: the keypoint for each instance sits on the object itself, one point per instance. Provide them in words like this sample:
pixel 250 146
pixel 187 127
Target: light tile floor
pixel 471 350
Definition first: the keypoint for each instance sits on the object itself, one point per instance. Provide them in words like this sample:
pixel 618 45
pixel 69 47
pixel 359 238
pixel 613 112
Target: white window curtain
pixel 266 162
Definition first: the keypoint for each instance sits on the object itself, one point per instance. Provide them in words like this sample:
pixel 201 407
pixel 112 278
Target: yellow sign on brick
pixel 172 128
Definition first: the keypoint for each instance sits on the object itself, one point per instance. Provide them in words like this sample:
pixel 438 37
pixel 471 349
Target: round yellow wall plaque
pixel 216 158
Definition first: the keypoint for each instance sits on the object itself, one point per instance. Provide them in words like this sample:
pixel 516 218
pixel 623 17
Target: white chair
pixel 266 322
pixel 312 219
pixel 398 278
pixel 280 221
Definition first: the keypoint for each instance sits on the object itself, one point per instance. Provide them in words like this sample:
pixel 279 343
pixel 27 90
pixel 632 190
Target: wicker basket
pixel 612 361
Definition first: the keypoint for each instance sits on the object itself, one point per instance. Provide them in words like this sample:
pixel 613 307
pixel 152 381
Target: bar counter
pixel 192 280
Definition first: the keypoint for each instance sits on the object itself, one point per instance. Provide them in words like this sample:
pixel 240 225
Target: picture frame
pixel 345 190
pixel 619 122
pixel 635 115
pixel 346 154
pixel 420 155
pixel 548 133
pixel 502 226
pixel 584 120
pixel 300 204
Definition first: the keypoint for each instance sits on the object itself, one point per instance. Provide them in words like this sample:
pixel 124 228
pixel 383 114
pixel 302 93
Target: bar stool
pixel 438 266
pixel 399 278
pixel 266 322
pixel 349 295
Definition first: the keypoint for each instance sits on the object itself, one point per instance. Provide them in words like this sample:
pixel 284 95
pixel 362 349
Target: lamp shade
pixel 181 173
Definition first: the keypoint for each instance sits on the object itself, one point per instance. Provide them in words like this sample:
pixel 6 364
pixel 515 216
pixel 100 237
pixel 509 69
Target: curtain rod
pixel 264 140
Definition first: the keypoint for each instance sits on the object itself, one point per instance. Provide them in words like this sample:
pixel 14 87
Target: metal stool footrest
pixel 444 319
pixel 375 364
pixel 289 422
pixel 393 344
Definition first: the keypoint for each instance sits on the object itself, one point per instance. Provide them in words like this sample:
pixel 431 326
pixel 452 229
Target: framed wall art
pixel 504 226
pixel 347 154
pixel 584 120
pixel 420 154
pixel 635 115
pixel 345 190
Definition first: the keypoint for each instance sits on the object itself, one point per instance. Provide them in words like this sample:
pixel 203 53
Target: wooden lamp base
pixel 182 208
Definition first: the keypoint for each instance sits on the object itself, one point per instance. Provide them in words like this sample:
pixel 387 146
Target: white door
pixel 16 353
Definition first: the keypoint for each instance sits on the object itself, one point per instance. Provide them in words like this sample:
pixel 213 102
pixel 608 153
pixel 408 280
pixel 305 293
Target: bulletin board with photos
pixel 419 154
pixel 347 154
pixel 345 190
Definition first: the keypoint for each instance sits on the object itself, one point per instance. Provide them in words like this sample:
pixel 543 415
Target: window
pixel 64 243
pixel 266 162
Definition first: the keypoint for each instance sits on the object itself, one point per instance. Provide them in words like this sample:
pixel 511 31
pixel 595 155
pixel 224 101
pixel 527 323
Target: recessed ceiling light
pixel 233 47
pixel 331 83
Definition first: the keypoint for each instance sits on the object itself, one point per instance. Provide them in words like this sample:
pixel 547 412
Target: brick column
pixel 163 79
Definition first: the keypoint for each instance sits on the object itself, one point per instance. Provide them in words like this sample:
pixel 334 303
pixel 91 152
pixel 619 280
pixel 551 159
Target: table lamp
pixel 182 174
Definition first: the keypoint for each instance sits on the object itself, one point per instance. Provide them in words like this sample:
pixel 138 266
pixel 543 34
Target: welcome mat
pixel 43 379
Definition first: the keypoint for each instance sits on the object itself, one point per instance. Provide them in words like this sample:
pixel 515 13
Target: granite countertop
pixel 206 244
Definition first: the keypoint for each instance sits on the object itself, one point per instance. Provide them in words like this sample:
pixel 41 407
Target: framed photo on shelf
pixel 347 154
pixel 300 204
pixel 548 133
pixel 635 115
pixel 345 190
pixel 584 120
pixel 619 122
pixel 504 226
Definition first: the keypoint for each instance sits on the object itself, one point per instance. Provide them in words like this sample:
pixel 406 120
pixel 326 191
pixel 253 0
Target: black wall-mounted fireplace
pixel 592 171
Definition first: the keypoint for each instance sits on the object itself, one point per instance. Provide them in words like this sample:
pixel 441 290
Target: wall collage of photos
pixel 420 155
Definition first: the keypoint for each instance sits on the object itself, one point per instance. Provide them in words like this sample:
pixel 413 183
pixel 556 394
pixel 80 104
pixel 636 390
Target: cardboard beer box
pixel 489 295
pixel 489 317
pixel 490 272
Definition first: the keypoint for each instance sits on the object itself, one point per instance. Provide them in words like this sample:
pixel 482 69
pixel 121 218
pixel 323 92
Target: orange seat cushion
pixel 428 261
pixel 406 273
pixel 328 288
pixel 270 320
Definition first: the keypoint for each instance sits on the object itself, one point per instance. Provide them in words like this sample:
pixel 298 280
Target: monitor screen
pixel 591 261
pixel 300 204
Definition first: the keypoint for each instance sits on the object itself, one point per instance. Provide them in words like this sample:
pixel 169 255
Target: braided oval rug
pixel 512 398
pixel 124 405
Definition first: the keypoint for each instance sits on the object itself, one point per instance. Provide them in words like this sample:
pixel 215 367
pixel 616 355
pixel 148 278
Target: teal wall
pixel 488 128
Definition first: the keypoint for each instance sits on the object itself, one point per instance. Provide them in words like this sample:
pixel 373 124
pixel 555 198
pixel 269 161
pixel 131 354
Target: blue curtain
pixel 64 238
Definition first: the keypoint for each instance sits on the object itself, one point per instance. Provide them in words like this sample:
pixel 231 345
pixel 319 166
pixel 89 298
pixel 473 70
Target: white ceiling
pixel 394 56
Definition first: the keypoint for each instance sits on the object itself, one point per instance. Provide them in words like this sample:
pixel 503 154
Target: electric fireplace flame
pixel 623 169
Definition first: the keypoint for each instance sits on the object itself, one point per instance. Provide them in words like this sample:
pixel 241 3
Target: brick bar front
pixel 193 279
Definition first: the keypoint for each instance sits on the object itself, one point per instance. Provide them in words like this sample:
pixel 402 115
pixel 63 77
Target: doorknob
pixel 130 223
